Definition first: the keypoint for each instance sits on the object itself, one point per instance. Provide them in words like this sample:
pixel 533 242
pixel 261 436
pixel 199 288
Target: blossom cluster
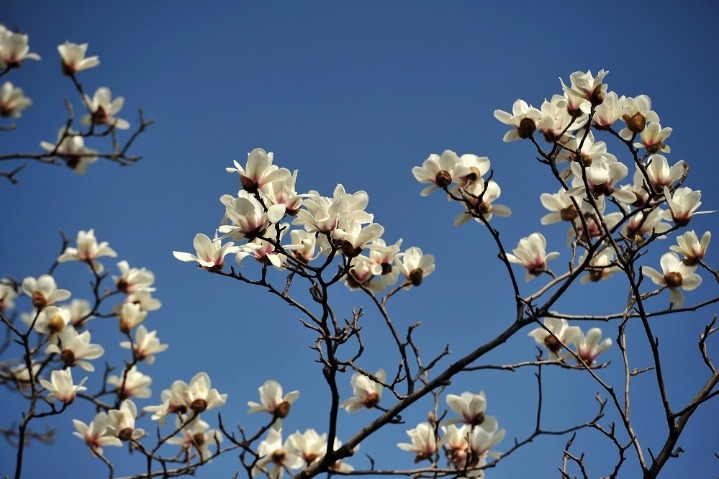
pixel 101 108
pixel 258 218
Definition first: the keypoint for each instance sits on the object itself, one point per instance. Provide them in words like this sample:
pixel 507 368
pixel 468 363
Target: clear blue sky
pixel 354 93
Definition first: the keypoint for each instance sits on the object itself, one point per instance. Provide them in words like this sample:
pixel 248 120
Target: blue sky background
pixel 354 93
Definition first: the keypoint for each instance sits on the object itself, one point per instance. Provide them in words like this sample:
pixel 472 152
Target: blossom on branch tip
pixel 200 396
pixel 210 253
pixel 14 49
pixel 676 276
pixel 70 147
pixel 132 383
pixel 589 347
pixel 690 246
pixel 103 109
pixel 440 171
pixel 197 435
pixel 470 406
pixel 611 109
pixel 44 291
pixel 601 266
pixel 414 266
pixel 525 118
pixel 366 392
pixel 146 345
pixel 661 175
pixel 96 434
pixel 121 422
pixel 653 138
pixel 88 250
pixel 638 112
pixel 531 253
pixel 561 206
pixel 274 457
pixel 309 445
pixel 73 60
pixel 683 203
pixel 424 442
pixel 272 401
pixel 133 279
pixel 131 314
pixel 50 320
pixel 61 386
pixel 555 333
pixel 259 171
pixel 12 101
pixel 584 87
pixel 7 295
pixel 488 192
pixel 75 349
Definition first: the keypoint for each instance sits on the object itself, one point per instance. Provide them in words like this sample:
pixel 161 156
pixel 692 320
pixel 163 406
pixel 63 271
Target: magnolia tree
pixel 302 247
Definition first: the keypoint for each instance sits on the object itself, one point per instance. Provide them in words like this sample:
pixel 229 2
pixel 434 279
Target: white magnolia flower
pixel 88 250
pixel 424 442
pixel 366 393
pixel 488 192
pixel 661 175
pixel 12 100
pixel 653 138
pixel 561 206
pixel 61 386
pixel 146 345
pixel 75 349
pixel 197 435
pixel 470 406
pixel 273 401
pixel 121 422
pixel 611 109
pixel 440 171
pixel 524 118
pixel 133 279
pixel 589 347
pixel 132 383
pixel 50 320
pixel 690 246
pixel 675 275
pixel 131 315
pixel 531 253
pixel 638 112
pixel 210 253
pixel 414 265
pixel 96 434
pixel 44 291
pixel 73 58
pixel 70 147
pixel 601 266
pixel 259 171
pixel 7 295
pixel 103 109
pixel 14 49
pixel 683 204
pixel 274 457
pixel 200 396
pixel 555 333
pixel 309 445
pixel 584 88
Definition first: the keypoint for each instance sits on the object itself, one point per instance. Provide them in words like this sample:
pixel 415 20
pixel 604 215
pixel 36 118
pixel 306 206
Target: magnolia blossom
pixel 584 87
pixel 259 171
pixel 79 312
pixel 173 402
pixel 470 406
pixel 197 435
pixel 12 100
pixel 424 442
pixel 200 396
pixel 70 147
pixel 44 291
pixel 530 253
pixel 73 58
pixel 132 383
pixel 653 138
pixel 583 149
pixel 683 204
pixel 247 216
pixel 61 386
pixel 272 401
pixel 675 275
pixel 561 206
pixel 146 345
pixel 305 245
pixel 7 295
pixel 367 392
pixel 525 118
pixel 50 320
pixel 589 347
pixel 488 192
pixel 309 445
pixel 555 333
pixel 131 315
pixel 121 422
pixel 414 266
pixel 690 246
pixel 210 253
pixel 75 349
pixel 611 109
pixel 562 121
pixel 482 439
pixel 133 279
pixel 14 49
pixel 478 166
pixel 640 225
pixel 88 250
pixel 440 171
pixel 661 175
pixel 143 299
pixel 602 176
pixel 274 457
pixel 96 434
pixel 601 266
pixel 103 109
pixel 638 112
